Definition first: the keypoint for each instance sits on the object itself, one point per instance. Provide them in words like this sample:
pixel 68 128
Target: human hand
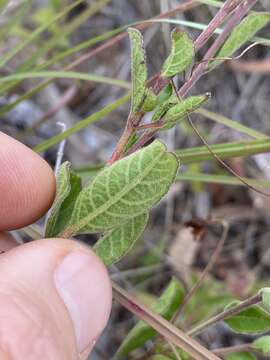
pixel 55 294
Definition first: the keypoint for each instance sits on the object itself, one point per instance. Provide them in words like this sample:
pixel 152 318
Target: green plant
pixel 117 201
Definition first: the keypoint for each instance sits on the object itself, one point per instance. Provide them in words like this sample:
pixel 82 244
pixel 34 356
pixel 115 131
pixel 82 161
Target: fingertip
pixel 70 285
pixel 27 184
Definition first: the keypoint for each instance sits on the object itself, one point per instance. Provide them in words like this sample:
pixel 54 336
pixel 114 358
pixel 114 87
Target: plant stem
pixel 255 299
pixel 240 12
pixel 230 349
pixel 217 20
pixel 120 147
pixel 227 8
pixel 162 326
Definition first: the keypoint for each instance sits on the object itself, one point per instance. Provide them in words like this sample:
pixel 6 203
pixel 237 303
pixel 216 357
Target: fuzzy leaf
pixel 165 94
pixel 166 306
pixel 181 56
pixel 150 101
pixel 262 344
pixel 181 109
pixel 242 33
pixel 265 292
pixel 123 190
pixel 138 70
pixel 240 356
pixel 250 321
pixel 68 186
pixel 117 242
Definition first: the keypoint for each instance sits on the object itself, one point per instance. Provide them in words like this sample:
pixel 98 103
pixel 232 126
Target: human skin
pixel 55 294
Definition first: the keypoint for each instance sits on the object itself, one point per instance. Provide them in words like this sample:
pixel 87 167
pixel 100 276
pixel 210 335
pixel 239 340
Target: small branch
pixel 120 147
pixel 255 299
pixel 230 349
pixel 147 136
pixel 162 326
pixel 240 12
pixel 207 269
pixel 218 19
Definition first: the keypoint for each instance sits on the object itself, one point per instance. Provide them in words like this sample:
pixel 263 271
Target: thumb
pixel 55 300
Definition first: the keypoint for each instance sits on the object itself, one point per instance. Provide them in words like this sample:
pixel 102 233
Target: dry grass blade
pixel 162 326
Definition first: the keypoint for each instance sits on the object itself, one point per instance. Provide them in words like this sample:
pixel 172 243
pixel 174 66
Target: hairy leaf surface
pixel 242 33
pixel 150 101
pixel 181 55
pixel 166 306
pixel 68 186
pixel 181 109
pixel 138 69
pixel 127 188
pixel 117 242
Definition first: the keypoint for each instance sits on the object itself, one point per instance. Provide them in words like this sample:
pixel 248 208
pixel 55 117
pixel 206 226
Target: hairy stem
pixel 217 20
pixel 255 299
pixel 240 12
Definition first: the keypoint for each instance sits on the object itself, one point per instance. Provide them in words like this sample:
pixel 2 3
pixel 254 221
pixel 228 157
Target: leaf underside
pixel 241 34
pixel 123 190
pixel 181 56
pixel 138 70
pixel 68 186
pixel 117 242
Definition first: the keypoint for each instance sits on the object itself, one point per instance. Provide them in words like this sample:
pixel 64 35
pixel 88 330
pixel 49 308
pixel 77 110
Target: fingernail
pixel 82 283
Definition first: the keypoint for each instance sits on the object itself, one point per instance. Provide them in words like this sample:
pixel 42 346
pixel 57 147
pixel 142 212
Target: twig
pixel 217 20
pixel 235 348
pixel 207 269
pixel 255 299
pixel 162 326
pixel 239 13
pixel 228 7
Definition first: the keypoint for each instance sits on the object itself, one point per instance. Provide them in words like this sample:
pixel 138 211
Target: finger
pixel 7 242
pixel 27 184
pixel 55 299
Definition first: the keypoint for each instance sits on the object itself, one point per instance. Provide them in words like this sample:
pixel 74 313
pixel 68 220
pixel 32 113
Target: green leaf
pixel 242 33
pixel 117 242
pixel 262 344
pixel 249 321
pixel 138 70
pixel 165 94
pixel 166 306
pixel 163 108
pixel 150 101
pixel 265 292
pixel 67 189
pixel 123 190
pixel 181 56
pixel 240 356
pixel 181 109
pixel 160 357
